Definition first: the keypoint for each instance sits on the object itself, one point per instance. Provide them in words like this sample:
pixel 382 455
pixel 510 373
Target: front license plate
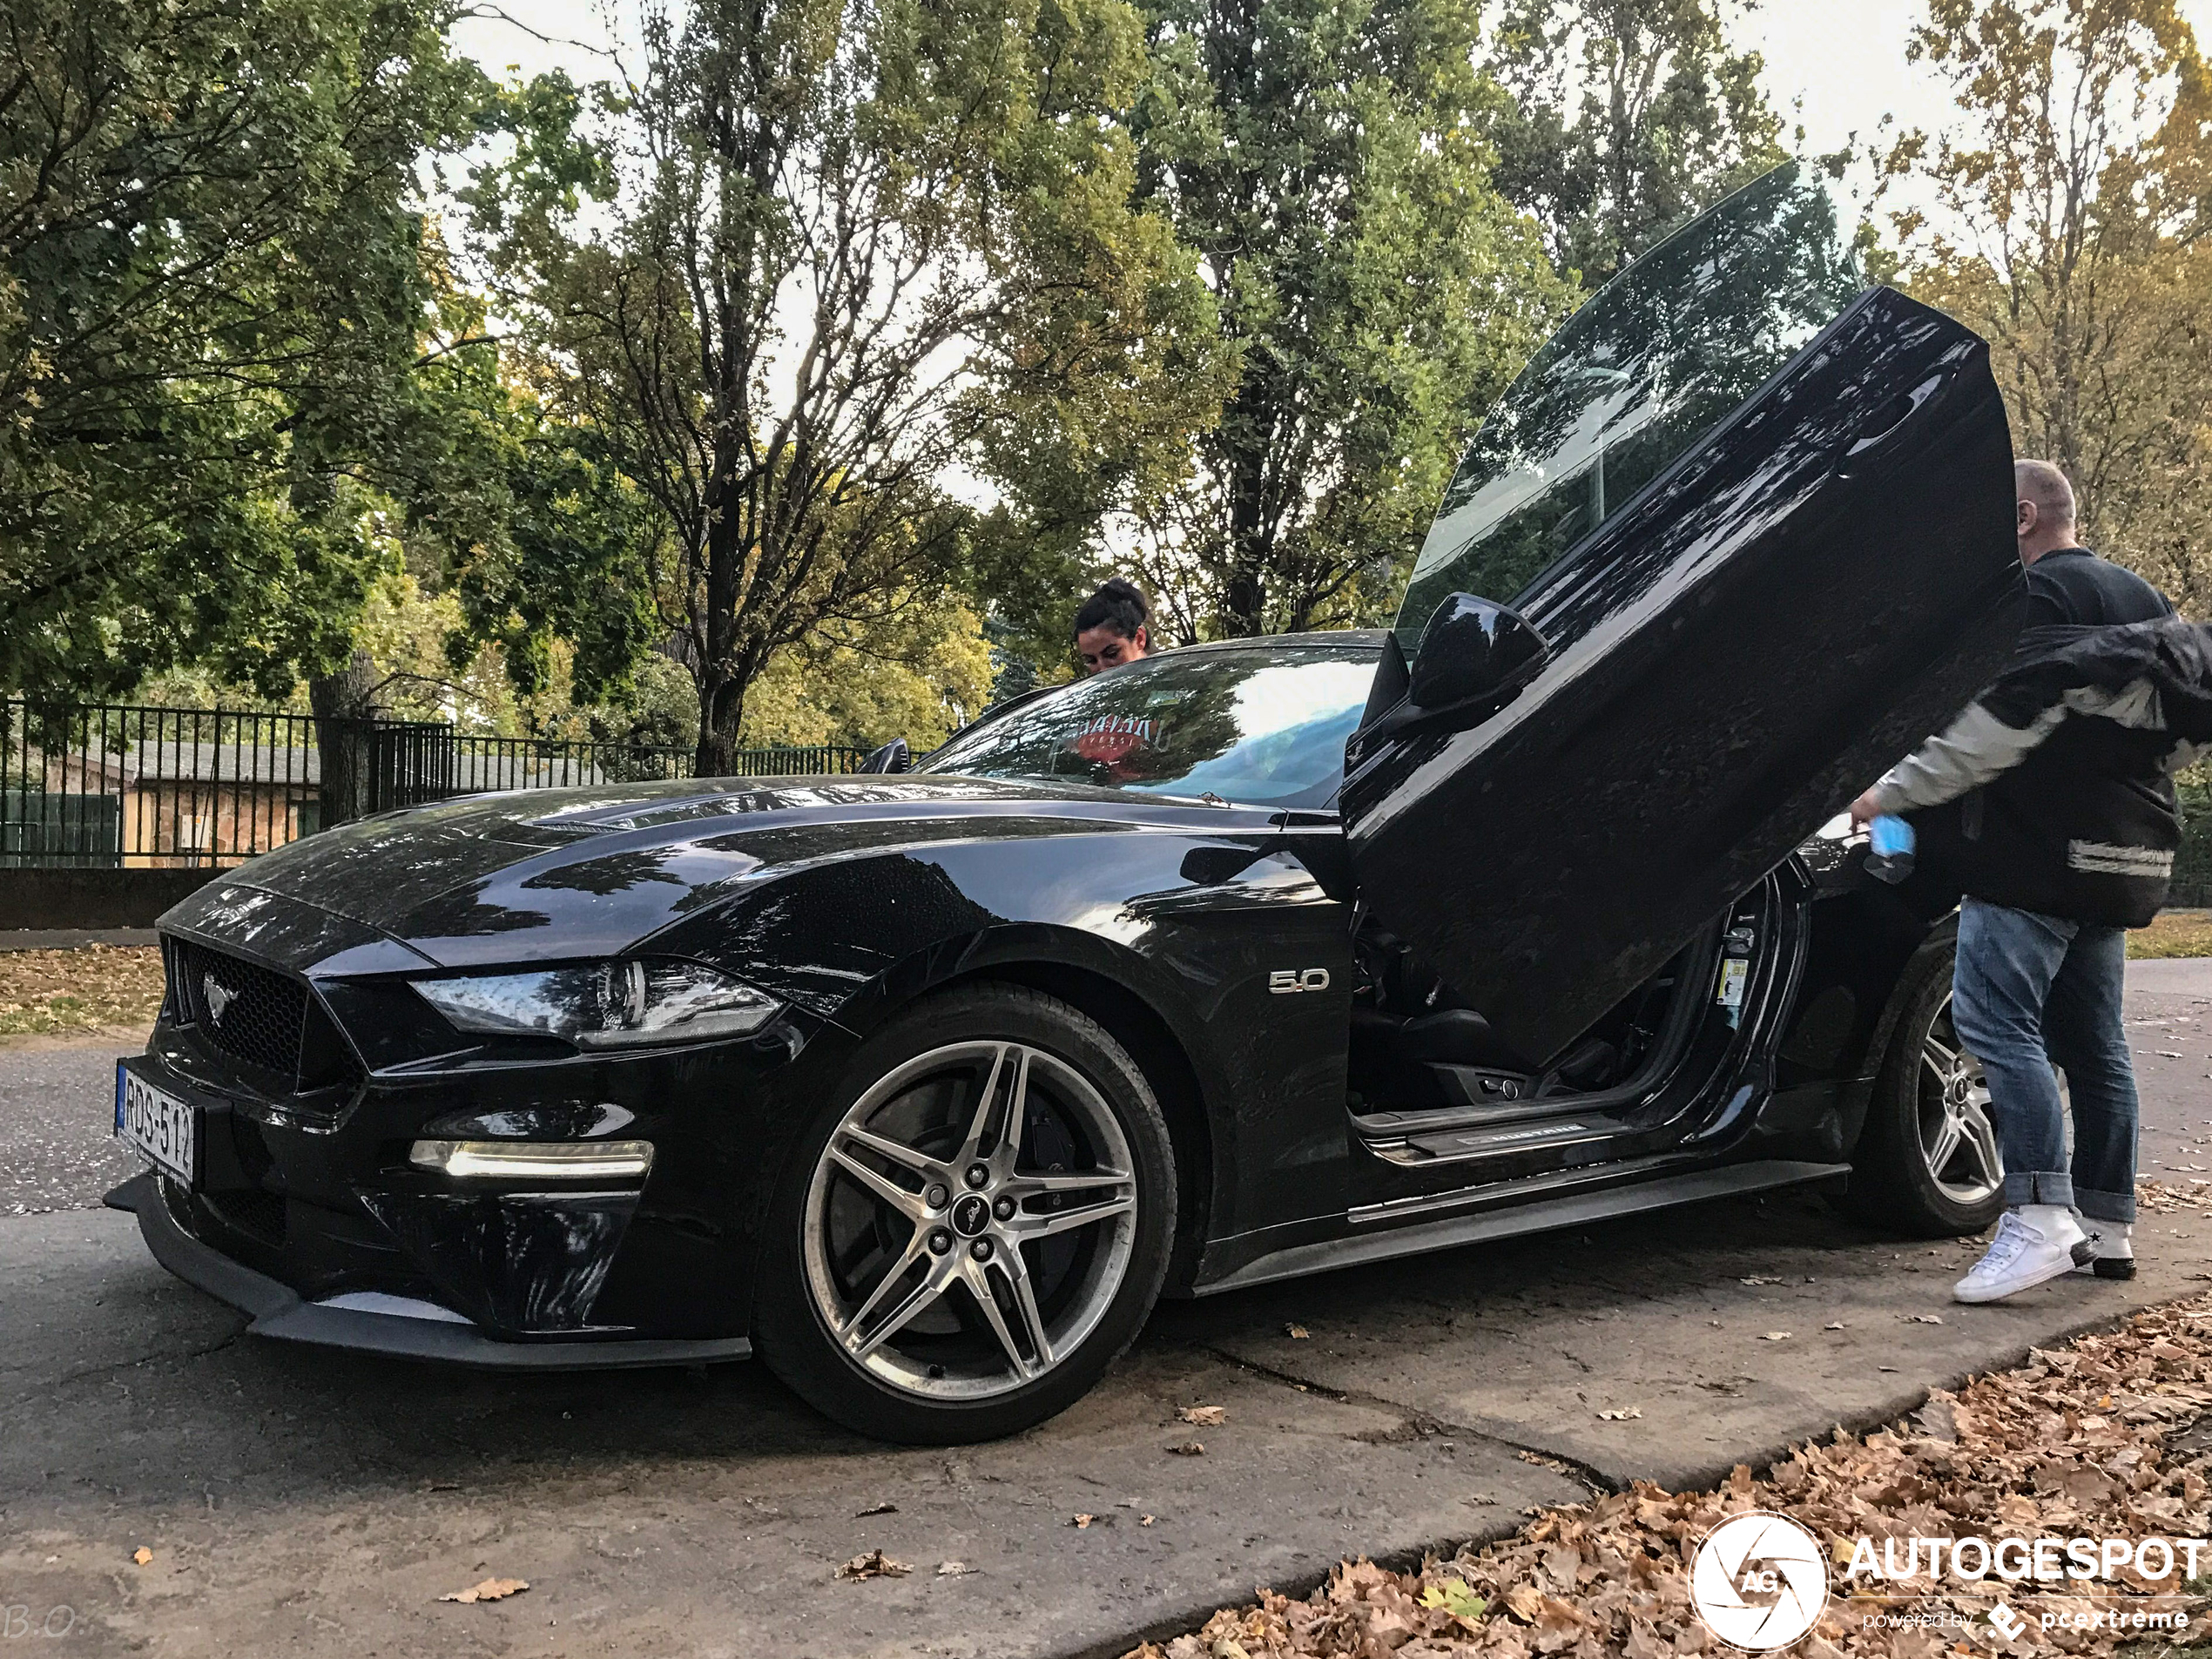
pixel 159 1127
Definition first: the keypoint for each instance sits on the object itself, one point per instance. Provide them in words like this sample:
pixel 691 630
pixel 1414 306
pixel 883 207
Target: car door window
pixel 1657 358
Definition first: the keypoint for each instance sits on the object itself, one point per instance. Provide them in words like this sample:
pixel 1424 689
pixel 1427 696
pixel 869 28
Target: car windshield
pixel 1264 725
pixel 1659 356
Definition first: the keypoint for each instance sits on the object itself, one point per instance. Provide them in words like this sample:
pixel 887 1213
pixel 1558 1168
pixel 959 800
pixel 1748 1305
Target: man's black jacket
pixel 2052 791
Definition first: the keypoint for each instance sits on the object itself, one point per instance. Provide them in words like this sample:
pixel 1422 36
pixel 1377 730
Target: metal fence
pixel 115 785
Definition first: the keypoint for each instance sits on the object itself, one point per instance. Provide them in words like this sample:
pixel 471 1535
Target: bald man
pixel 2066 584
pixel 2060 824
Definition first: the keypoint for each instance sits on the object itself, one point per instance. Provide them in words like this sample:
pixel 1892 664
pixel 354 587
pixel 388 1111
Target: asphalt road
pixel 300 1501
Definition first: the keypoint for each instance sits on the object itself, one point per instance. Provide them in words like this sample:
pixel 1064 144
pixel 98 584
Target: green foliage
pixel 1324 159
pixel 918 674
pixel 212 285
pixel 1626 118
pixel 858 249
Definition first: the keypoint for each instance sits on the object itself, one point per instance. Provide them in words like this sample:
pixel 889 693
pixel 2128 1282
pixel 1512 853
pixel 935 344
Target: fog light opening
pixel 535 1160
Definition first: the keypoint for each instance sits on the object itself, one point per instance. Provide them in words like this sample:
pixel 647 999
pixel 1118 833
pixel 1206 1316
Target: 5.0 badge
pixel 1285 981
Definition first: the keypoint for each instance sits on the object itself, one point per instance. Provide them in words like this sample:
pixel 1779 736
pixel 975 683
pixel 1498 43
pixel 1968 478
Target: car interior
pixel 1426 1068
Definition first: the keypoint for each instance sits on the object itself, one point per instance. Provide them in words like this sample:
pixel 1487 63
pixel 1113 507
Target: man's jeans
pixel 2030 992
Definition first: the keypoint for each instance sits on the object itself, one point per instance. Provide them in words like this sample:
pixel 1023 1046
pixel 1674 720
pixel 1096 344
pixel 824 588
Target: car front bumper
pixel 400 1326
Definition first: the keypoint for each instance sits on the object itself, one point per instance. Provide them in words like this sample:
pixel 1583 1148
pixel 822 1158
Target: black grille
pixel 245 1010
pixel 259 1216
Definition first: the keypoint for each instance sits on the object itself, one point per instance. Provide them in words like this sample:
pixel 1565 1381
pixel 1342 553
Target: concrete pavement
pixel 302 1502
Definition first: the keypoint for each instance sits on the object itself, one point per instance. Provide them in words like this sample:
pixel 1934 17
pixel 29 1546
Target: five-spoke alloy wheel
pixel 1957 1138
pixel 1927 1163
pixel 977 1227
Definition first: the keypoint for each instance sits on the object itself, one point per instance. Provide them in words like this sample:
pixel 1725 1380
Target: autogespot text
pixel 2024 1559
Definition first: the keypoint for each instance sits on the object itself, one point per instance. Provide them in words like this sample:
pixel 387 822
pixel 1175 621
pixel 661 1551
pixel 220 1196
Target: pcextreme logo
pixel 1759 1581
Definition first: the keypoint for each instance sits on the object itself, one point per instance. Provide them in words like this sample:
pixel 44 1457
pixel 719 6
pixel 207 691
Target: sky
pixel 1837 65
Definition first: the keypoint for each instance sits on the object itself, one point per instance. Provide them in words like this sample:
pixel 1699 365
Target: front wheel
pixel 1927 1163
pixel 974 1226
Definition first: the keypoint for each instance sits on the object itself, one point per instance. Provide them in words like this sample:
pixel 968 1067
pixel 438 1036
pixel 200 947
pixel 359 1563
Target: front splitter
pixel 279 1311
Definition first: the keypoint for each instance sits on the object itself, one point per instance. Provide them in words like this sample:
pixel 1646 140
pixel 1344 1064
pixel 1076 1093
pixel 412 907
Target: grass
pixel 2177 933
pixel 98 988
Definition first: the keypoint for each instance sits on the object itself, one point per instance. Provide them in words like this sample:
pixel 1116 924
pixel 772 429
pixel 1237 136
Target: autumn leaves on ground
pixel 2111 1437
pixel 91 990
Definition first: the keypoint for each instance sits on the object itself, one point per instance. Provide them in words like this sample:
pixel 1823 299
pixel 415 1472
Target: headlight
pixel 604 1005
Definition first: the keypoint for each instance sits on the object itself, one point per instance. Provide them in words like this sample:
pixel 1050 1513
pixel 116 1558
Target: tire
pixel 905 1205
pixel 1927 1163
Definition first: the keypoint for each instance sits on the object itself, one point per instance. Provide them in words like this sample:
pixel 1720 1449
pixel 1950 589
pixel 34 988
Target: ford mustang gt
pixel 1242 961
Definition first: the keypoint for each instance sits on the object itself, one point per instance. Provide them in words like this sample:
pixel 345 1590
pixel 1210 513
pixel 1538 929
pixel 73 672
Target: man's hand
pixel 1866 808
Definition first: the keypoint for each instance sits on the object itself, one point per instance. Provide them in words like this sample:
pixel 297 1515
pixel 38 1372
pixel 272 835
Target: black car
pixel 1242 961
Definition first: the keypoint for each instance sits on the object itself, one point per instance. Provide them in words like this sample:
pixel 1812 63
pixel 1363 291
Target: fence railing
pixel 124 785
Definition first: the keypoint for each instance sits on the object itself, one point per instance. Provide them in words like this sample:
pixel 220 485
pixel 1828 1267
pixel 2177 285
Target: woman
pixel 1110 627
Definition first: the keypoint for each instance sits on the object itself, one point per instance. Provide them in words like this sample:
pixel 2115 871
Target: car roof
pixel 1368 638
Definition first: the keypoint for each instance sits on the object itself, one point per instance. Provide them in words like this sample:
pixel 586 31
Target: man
pixel 1110 627
pixel 2060 828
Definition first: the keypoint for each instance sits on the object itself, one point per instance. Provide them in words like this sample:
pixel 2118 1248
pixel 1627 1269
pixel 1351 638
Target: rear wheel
pixel 1927 1163
pixel 975 1226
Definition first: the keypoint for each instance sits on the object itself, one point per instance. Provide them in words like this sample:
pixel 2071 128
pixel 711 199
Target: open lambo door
pixel 1750 524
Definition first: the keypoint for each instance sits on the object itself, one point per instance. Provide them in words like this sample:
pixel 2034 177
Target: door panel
pixel 1789 604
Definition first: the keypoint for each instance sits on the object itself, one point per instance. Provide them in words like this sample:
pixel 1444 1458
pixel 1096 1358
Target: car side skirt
pixel 1567 1210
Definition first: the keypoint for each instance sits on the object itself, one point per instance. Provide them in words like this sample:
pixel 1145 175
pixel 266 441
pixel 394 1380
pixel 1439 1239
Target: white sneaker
pixel 2034 1244
pixel 2110 1253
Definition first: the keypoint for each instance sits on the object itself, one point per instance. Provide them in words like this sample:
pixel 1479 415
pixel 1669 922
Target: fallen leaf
pixel 1203 1416
pixel 142 1555
pixel 1146 1520
pixel 1524 1602
pixel 1833 1324
pixel 1453 1595
pixel 880 1509
pixel 1083 1521
pixel 1297 1332
pixel 953 1570
pixel 1924 1318
pixel 1189 1448
pixel 1775 1336
pixel 1622 1415
pixel 874 1564
pixel 489 1590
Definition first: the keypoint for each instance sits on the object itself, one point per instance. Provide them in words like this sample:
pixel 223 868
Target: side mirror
pixel 894 757
pixel 1472 648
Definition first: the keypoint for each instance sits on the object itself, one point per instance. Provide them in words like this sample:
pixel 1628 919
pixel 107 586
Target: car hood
pixel 564 872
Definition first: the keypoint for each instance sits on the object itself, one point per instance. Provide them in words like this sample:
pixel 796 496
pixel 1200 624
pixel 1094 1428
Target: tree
pixel 918 676
pixel 212 289
pixel 857 250
pixel 1324 158
pixel 1626 118
pixel 2069 223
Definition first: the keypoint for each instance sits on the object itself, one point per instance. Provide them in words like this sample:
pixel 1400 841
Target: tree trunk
pixel 721 712
pixel 1244 593
pixel 344 705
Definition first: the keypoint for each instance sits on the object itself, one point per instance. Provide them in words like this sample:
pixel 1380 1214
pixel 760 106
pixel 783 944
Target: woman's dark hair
pixel 1117 605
